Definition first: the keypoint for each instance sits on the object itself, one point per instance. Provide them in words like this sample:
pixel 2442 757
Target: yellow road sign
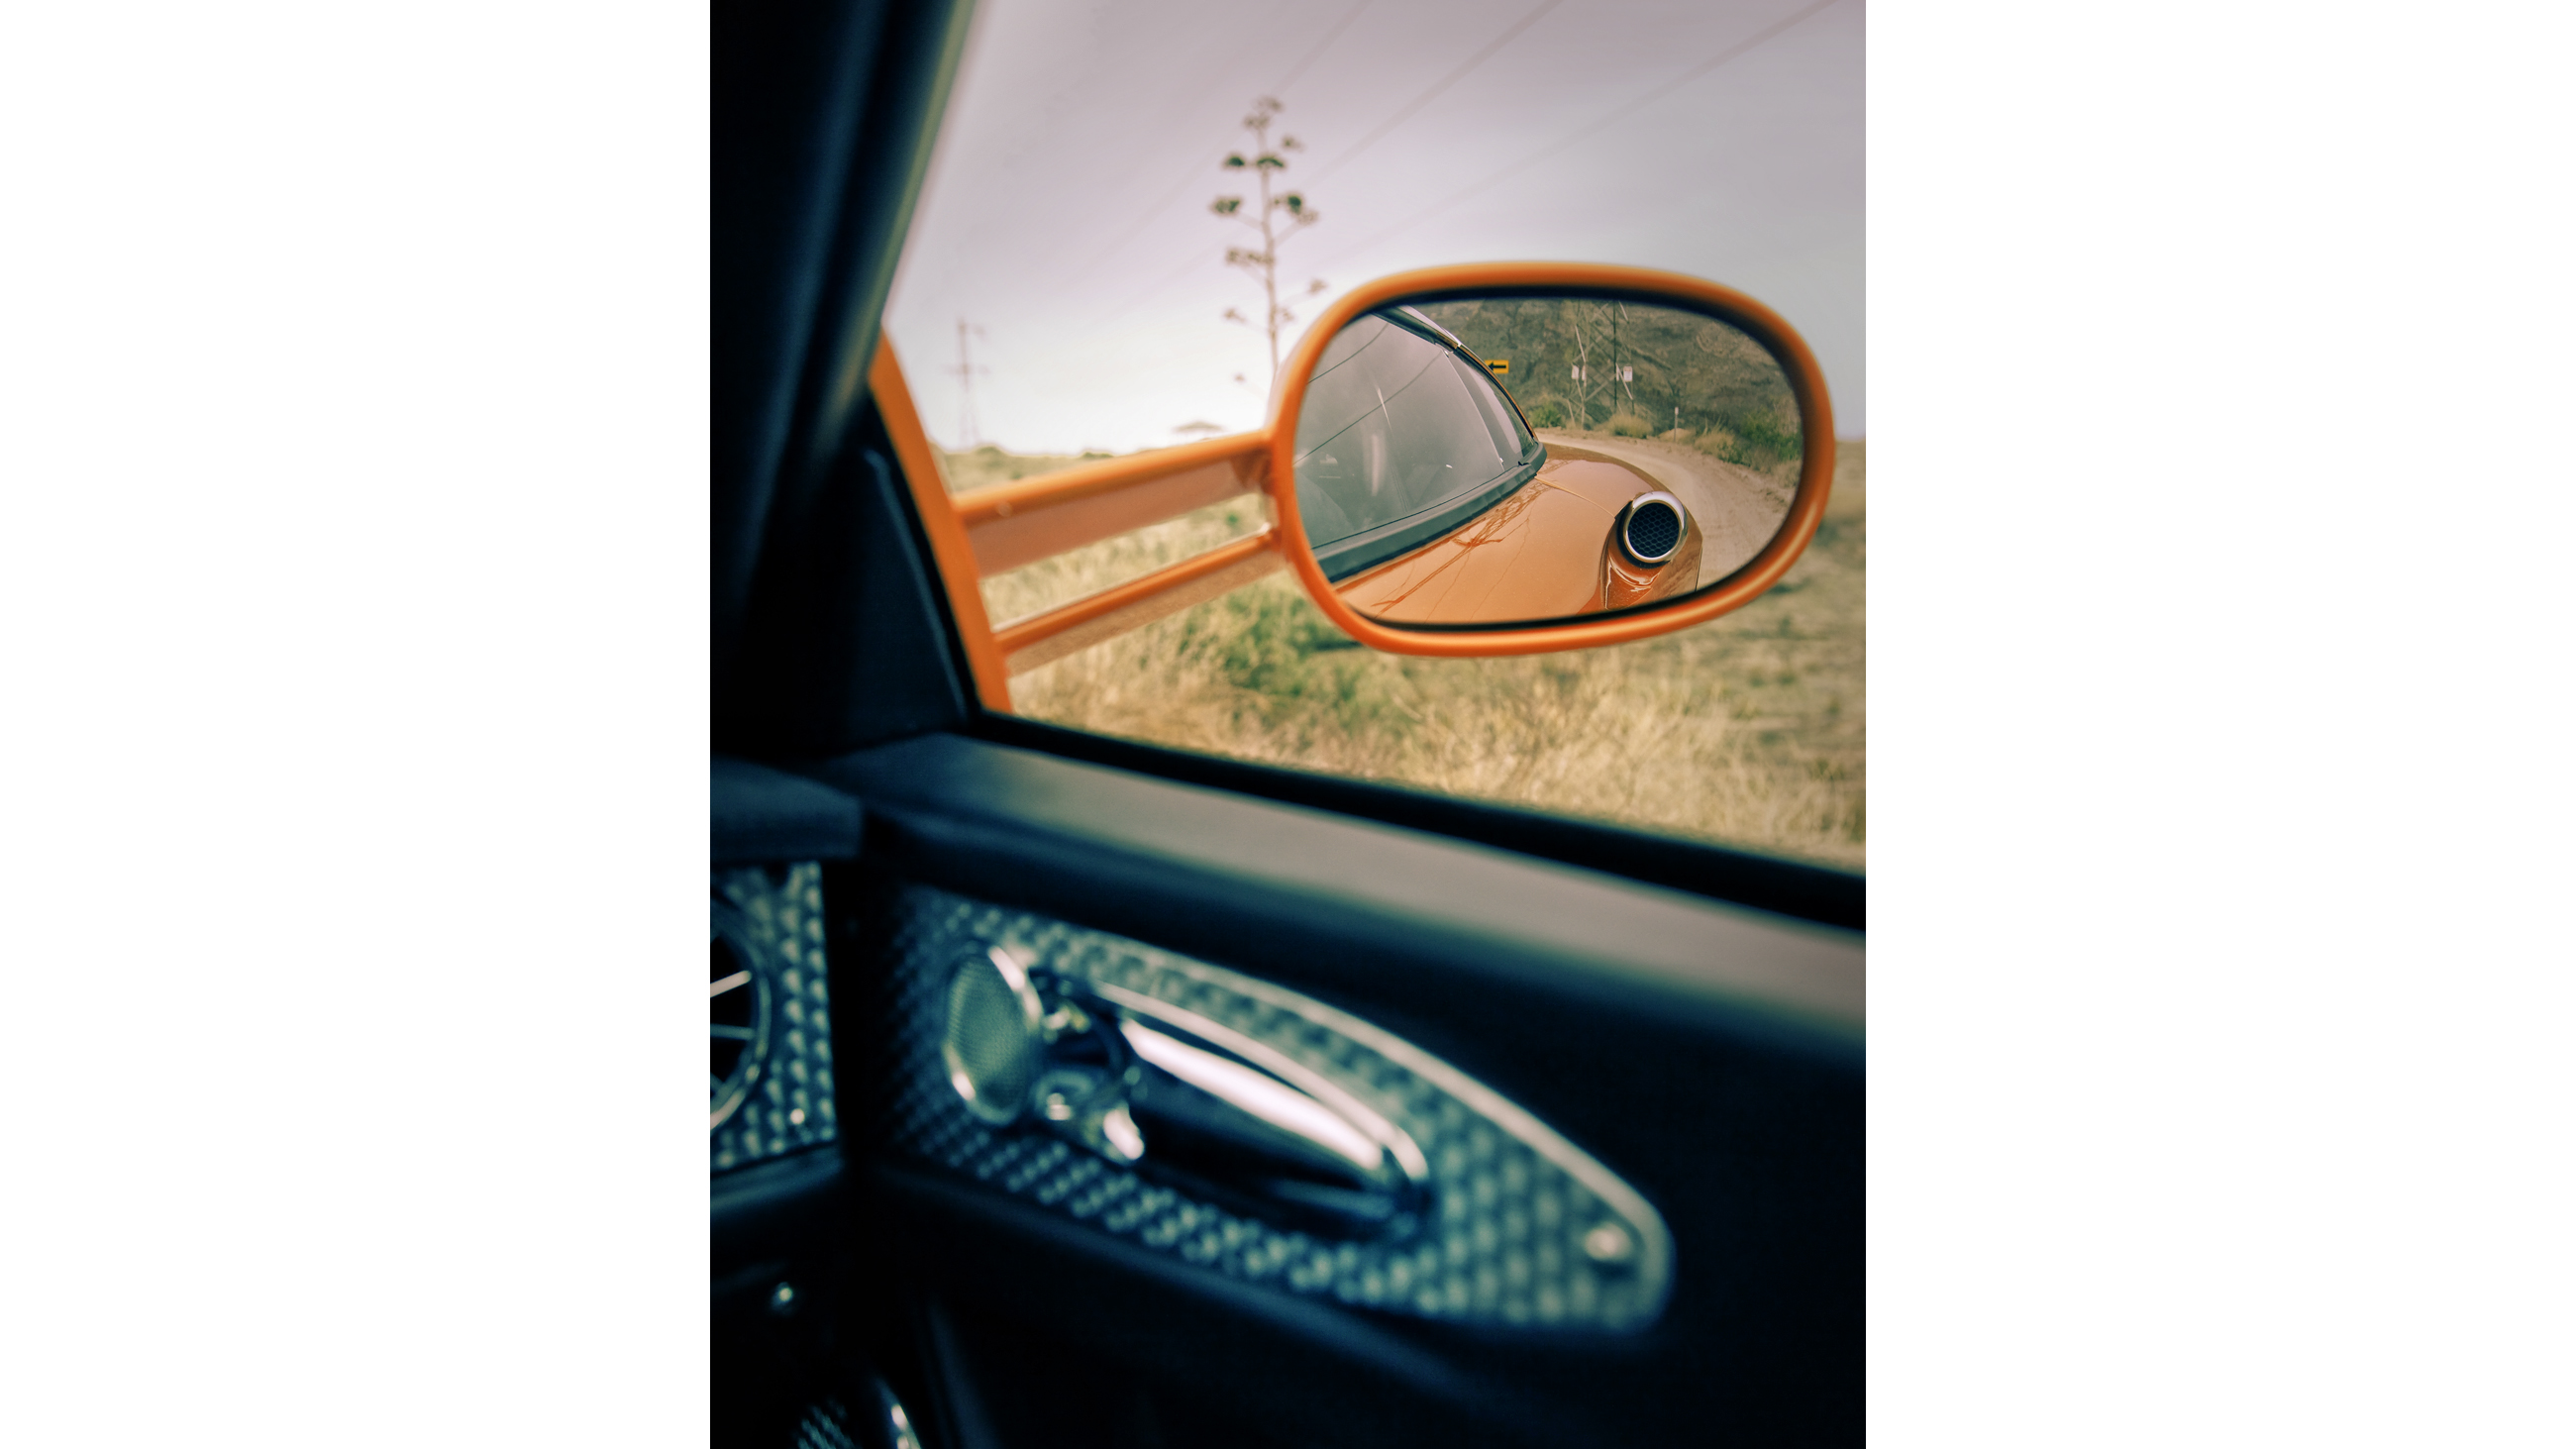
pixel 1499 366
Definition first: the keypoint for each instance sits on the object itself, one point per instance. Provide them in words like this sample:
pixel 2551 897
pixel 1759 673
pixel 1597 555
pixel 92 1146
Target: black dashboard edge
pixel 1807 891
pixel 758 815
pixel 981 807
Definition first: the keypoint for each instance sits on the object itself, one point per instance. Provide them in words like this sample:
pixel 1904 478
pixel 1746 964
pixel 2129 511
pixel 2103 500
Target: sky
pixel 1066 213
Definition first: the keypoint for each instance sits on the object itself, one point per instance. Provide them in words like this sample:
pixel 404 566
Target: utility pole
pixel 1582 370
pixel 1627 372
pixel 1264 264
pixel 965 371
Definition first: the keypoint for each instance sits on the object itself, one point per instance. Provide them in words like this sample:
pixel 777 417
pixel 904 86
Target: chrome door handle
pixel 1143 1082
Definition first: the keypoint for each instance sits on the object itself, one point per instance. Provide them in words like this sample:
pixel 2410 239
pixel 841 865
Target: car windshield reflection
pixel 1402 438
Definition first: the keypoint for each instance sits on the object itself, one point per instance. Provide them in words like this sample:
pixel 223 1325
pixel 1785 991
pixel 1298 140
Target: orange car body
pixel 1545 552
pixel 1428 498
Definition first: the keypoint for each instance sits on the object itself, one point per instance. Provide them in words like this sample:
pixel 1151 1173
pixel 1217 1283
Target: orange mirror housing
pixel 1541 501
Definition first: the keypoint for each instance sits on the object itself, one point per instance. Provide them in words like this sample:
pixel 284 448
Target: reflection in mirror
pixel 1522 459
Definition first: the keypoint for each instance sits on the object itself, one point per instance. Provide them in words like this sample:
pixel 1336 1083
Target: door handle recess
pixel 1179 1097
pixel 1246 1130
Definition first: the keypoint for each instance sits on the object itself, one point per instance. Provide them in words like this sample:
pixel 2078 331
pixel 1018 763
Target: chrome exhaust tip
pixel 1652 528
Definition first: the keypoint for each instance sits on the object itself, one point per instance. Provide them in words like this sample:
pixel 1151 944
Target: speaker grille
pixel 987 1042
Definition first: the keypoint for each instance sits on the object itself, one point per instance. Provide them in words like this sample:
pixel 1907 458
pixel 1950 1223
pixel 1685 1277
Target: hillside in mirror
pixel 1517 460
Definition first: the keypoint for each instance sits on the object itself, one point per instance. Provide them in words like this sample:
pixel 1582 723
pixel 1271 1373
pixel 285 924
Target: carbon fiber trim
pixel 791 1104
pixel 825 1426
pixel 1524 1230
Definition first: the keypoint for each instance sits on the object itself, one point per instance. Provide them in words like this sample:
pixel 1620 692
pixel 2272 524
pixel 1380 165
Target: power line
pixel 1416 104
pixel 1144 219
pixel 1195 262
pixel 1733 52
pixel 1329 37
pixel 1444 83
pixel 1532 159
pixel 1147 216
pixel 1667 88
pixel 1197 177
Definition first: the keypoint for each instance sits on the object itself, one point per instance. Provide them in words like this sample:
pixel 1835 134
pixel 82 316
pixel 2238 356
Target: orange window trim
pixel 949 549
pixel 994 530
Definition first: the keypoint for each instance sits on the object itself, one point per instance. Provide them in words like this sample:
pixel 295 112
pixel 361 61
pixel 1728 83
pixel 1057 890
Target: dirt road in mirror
pixel 1737 509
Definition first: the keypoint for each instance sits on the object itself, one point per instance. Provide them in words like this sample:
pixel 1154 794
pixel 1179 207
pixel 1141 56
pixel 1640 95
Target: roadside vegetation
pixel 1636 371
pixel 988 464
pixel 1748 730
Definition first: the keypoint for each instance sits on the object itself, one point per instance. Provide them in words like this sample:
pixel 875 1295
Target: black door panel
pixel 1036 1293
pixel 776 1289
pixel 1707 1054
pixel 1202 870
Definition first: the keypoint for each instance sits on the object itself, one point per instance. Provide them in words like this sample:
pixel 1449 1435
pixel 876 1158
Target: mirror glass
pixel 1505 460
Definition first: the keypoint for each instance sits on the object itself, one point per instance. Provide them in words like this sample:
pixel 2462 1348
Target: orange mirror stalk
pixel 1012 525
pixel 1047 637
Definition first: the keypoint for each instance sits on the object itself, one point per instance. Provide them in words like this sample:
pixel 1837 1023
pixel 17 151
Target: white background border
pixel 353 568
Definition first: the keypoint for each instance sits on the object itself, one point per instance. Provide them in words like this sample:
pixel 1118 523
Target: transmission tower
pixel 965 371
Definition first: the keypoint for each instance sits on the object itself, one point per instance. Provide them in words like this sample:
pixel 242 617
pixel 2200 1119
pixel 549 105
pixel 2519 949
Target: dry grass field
pixel 1748 730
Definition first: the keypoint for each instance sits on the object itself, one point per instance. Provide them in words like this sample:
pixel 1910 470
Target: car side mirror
pixel 1505 458
pixel 1512 458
